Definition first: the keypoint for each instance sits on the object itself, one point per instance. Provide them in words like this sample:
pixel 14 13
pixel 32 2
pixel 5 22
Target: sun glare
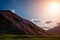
pixel 54 7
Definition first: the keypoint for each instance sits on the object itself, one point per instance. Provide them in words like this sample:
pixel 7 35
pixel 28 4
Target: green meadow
pixel 28 37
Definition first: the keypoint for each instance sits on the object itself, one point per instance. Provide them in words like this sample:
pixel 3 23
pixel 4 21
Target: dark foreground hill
pixel 10 23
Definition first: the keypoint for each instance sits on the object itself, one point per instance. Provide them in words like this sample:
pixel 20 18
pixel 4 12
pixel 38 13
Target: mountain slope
pixel 55 30
pixel 10 23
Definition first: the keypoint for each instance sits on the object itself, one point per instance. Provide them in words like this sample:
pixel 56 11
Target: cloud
pixel 13 10
pixel 35 20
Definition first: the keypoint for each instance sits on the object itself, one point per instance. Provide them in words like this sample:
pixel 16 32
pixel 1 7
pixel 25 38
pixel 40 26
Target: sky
pixel 36 11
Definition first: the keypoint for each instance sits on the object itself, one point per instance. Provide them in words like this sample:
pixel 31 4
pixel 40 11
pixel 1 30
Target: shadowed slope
pixel 13 24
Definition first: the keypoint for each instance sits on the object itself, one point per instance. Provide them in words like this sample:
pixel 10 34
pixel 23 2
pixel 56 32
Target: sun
pixel 54 7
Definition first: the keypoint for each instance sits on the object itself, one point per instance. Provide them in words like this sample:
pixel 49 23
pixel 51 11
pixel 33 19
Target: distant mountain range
pixel 55 30
pixel 11 23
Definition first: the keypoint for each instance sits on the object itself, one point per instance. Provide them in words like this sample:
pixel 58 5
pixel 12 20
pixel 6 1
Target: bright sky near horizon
pixel 43 11
pixel 39 10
